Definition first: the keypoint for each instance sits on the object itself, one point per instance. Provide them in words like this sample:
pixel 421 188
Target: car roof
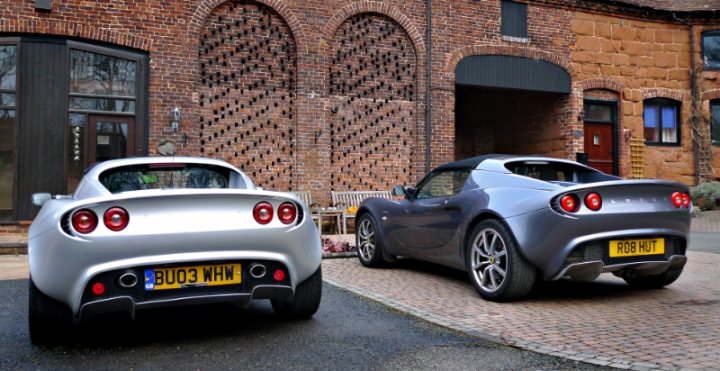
pixel 472 162
pixel 496 162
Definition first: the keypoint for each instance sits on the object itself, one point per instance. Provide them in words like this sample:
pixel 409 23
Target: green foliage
pixel 706 196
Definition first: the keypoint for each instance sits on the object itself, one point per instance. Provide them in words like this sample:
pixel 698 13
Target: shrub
pixel 330 246
pixel 706 196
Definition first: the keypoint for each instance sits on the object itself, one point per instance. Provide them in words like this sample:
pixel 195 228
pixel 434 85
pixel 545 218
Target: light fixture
pixel 176 119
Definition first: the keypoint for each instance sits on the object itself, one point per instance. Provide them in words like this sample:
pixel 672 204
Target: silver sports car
pixel 508 220
pixel 160 231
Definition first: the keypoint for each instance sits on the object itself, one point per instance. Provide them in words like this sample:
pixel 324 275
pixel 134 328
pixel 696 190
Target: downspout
pixel 694 97
pixel 428 84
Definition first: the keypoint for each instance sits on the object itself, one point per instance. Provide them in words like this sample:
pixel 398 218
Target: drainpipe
pixel 694 96
pixel 428 85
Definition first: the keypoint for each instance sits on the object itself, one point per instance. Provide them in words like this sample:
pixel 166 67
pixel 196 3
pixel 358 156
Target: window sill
pixel 523 40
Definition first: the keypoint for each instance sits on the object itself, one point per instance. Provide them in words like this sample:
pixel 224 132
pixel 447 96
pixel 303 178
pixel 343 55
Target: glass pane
pixel 715 121
pixel 711 51
pixel 76 167
pixel 7 67
pixel 111 140
pixel 7 150
pixel 594 112
pixel 164 176
pixel 7 99
pixel 444 184
pixel 668 117
pixel 92 73
pixel 108 105
pixel 651 123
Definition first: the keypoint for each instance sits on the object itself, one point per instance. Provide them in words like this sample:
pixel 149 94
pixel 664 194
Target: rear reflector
pixel 279 275
pixel 84 221
pixel 686 200
pixel 98 288
pixel 263 213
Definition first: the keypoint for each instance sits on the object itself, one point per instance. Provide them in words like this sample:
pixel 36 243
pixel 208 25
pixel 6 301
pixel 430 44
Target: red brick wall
pixel 634 56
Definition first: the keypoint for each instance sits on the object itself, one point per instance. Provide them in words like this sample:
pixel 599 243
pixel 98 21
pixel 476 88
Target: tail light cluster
pixel 680 200
pixel 85 220
pixel 571 203
pixel 286 212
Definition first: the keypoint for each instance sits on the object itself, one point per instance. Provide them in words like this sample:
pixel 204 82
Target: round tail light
pixel 593 201
pixel 279 275
pixel 84 221
pixel 263 213
pixel 569 203
pixel 676 199
pixel 287 212
pixel 685 200
pixel 116 218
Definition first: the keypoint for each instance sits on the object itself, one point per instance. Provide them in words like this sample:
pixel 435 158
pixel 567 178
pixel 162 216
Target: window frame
pixel 714 103
pixel 513 11
pixel 711 33
pixel 664 102
pixel 10 214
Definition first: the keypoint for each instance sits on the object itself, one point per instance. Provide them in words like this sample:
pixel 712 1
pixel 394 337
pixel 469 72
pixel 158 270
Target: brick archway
pixel 711 94
pixel 606 84
pixel 649 93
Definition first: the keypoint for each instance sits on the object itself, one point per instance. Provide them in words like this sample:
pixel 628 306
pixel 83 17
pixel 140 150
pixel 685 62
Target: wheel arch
pixel 477 219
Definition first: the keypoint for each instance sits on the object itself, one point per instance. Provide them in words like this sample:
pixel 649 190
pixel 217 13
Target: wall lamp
pixel 175 126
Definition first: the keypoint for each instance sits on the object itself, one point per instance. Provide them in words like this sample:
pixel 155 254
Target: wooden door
pixel 109 137
pixel 599 147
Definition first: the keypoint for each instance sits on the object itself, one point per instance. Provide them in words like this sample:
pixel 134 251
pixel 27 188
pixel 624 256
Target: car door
pixel 430 217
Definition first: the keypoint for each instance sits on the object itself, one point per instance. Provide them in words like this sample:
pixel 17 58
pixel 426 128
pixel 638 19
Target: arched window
pixel 661 121
pixel 715 121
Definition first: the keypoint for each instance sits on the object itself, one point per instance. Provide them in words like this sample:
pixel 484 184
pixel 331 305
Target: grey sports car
pixel 161 231
pixel 508 220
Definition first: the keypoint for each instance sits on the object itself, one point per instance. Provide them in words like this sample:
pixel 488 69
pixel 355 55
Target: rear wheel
pixel 496 268
pixel 655 281
pixel 369 244
pixel 49 320
pixel 306 300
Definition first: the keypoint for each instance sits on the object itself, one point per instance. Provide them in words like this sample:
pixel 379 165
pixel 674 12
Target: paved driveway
pixel 602 322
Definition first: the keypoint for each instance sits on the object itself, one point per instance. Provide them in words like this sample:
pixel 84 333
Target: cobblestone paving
pixel 602 322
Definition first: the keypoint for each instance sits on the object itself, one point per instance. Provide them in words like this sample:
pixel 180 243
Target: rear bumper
pixel 592 269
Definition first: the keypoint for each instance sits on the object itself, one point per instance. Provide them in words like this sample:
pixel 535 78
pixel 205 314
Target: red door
pixel 599 147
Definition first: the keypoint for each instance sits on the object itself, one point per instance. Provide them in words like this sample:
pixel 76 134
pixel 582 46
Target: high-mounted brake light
pixel 84 221
pixel 263 213
pixel 116 218
pixel 677 199
pixel 685 200
pixel 569 203
pixel 593 201
pixel 287 212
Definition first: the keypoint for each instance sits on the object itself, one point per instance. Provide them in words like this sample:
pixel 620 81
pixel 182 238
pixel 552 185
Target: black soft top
pixel 472 162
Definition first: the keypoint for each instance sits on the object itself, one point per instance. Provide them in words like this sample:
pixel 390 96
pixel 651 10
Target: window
pixel 662 121
pixel 8 64
pixel 171 176
pixel 513 19
pixel 715 121
pixel 711 50
pixel 443 184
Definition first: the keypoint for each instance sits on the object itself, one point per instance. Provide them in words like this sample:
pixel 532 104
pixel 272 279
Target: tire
pixel 497 270
pixel 306 300
pixel 656 281
pixel 49 320
pixel 369 245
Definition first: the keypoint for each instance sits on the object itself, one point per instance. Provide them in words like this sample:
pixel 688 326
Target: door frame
pixel 613 104
pixel 92 130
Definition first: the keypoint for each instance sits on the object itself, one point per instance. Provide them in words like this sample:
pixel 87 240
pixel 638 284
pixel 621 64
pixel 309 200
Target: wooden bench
pixel 347 199
pixel 315 215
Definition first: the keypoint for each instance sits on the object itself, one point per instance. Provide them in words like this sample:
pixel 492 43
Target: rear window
pixel 164 176
pixel 556 172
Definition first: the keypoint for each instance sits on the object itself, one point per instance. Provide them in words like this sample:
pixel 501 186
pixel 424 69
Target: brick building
pixel 319 95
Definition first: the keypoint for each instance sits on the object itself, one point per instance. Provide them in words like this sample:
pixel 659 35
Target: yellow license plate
pixel 201 275
pixel 640 247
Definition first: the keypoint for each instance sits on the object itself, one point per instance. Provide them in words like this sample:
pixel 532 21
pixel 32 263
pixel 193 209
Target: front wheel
pixel 306 300
pixel 49 320
pixel 369 245
pixel 655 281
pixel 496 268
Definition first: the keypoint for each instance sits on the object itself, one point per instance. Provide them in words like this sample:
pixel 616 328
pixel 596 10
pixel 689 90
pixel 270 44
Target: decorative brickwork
pixel 677 95
pixel 247 100
pixel 372 85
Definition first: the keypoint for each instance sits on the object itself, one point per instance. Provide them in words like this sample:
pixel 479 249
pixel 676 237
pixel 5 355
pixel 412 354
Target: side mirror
pixel 39 199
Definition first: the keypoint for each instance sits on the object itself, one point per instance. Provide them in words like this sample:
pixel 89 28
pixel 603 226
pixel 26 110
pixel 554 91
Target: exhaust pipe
pixel 258 271
pixel 128 280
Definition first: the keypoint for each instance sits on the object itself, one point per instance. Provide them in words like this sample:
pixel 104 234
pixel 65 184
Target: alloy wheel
pixel 489 260
pixel 366 239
